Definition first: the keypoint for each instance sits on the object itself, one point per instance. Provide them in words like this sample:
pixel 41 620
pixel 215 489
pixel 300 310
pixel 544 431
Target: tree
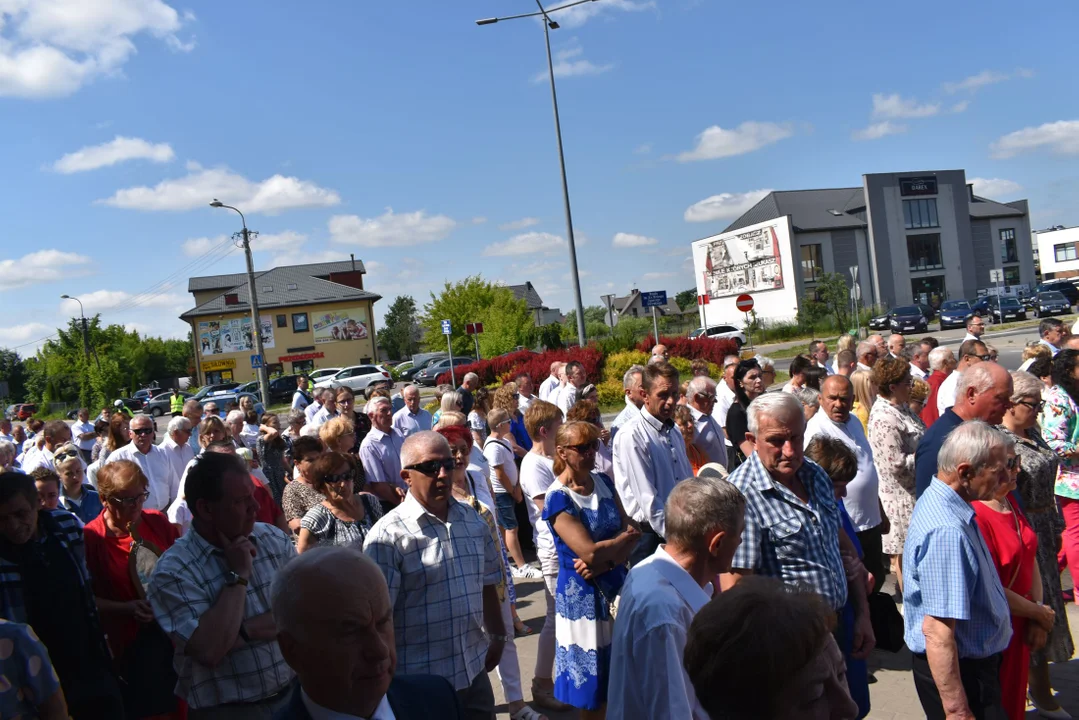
pixel 507 322
pixel 399 328
pixel 13 372
pixel 686 298
pixel 595 324
pixel 835 295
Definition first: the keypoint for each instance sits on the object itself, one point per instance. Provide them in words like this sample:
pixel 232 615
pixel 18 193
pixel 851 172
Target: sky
pixel 424 144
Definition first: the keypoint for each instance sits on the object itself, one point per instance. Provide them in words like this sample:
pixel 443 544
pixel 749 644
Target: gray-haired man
pixel 708 435
pixel 631 385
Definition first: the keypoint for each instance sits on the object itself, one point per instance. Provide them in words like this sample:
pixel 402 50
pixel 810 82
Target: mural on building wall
pixel 344 324
pixel 232 336
pixel 743 263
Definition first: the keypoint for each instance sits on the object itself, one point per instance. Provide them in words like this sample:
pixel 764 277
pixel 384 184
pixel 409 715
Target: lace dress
pixel 893 435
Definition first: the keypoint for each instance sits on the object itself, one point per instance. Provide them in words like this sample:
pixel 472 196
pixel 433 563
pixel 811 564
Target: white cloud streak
pixel 717 142
pixel 983 79
pixel 879 130
pixel 120 149
pixel 525 244
pixel 105 300
pixel 41 267
pixel 628 240
pixel 995 188
pixel 519 224
pixel 725 206
pixel 580 14
pixel 390 229
pixel 1060 137
pixel 569 62
pixel 891 107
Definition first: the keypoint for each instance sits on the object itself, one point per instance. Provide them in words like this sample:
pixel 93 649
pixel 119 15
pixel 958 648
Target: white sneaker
pixel 526 573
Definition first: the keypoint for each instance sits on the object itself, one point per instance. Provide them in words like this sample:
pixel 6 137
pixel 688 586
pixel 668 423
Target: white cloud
pixel 724 206
pixel 285 240
pixel 657 275
pixel 995 188
pixel 200 186
pixel 42 266
pixel 960 106
pixel 580 14
pixel 200 246
pixel 479 220
pixel 879 130
pixel 986 77
pixel 390 229
pixel 525 244
pixel 52 48
pixel 893 106
pixel 628 240
pixel 300 256
pixel 20 335
pixel 101 301
pixel 716 142
pixel 519 224
pixel 1060 137
pixel 116 151
pixel 642 149
pixel 570 63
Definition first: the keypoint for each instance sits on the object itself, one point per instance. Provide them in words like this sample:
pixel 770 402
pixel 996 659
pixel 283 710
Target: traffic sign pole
pixel 655 325
pixel 744 302
pixel 447 330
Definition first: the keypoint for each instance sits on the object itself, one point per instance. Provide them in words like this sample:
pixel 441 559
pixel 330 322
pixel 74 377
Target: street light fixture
pixel 264 383
pixel 549 24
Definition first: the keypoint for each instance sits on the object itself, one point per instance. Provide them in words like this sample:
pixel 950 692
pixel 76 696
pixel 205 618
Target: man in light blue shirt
pixel 380 454
pixel 708 436
pixel 956 616
pixel 631 385
pixel 411 418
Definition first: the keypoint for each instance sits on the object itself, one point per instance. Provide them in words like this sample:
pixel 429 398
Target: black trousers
pixel 981 682
pixel 646 545
pixel 872 541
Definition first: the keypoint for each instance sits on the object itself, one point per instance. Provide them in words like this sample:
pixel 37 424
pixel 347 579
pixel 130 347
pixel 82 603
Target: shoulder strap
pixel 497 442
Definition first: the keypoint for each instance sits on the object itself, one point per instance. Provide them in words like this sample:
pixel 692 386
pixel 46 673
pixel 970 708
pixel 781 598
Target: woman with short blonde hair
pixel 338 434
pixel 865 394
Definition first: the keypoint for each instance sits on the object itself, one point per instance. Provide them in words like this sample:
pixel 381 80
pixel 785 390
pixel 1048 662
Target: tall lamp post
pixel 85 331
pixel 264 383
pixel 549 24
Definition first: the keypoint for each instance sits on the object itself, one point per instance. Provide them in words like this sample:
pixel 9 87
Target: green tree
pixel 399 328
pixel 595 324
pixel 506 320
pixel 835 296
pixel 13 372
pixel 686 298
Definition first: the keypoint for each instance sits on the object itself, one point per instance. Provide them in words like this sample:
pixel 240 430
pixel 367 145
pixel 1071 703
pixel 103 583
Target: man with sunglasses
pixel 152 460
pixel 708 436
pixel 441 609
pixel 970 353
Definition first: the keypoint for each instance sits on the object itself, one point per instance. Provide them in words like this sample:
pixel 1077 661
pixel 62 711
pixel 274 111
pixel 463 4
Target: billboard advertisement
pixel 343 324
pixel 743 262
pixel 217 337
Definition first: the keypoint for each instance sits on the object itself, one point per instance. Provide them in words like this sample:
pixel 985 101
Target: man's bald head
pixel 417 444
pixel 836 383
pixel 338 572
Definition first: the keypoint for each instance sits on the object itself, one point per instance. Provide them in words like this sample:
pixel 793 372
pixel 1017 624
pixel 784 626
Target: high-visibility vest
pixel 176 402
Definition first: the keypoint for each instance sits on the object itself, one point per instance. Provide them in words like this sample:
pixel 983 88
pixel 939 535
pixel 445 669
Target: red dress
pixel 1014 546
pixel 929 412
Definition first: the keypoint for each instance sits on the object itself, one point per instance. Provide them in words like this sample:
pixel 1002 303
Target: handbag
pixel 887 622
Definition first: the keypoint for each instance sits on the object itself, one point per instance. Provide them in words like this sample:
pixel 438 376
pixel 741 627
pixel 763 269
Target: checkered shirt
pixel 185 584
pixel 787 539
pixel 436 573
pixel 948 572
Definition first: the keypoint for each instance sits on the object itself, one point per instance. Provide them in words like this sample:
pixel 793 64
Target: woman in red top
pixel 1014 545
pixel 122 546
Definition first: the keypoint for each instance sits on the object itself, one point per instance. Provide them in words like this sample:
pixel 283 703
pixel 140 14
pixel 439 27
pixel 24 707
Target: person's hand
pixel 400 493
pixel 964 714
pixel 1045 617
pixel 605 435
pixel 239 554
pixel 885 526
pixel 864 639
pixel 141 610
pixel 494 653
pixel 633 531
pixel 582 568
pixel 1035 637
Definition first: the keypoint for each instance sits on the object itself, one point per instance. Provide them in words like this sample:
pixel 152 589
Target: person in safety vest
pixel 176 402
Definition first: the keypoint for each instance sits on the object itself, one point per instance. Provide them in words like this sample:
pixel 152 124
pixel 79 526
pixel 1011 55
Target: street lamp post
pixel 549 24
pixel 85 331
pixel 264 383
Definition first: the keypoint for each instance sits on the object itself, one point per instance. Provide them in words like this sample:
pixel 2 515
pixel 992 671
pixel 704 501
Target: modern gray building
pixel 915 237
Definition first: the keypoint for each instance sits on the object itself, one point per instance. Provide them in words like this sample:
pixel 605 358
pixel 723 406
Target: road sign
pixel 446 328
pixel 474 329
pixel 703 299
pixel 996 275
pixel 657 298
pixel 744 302
pixel 256 362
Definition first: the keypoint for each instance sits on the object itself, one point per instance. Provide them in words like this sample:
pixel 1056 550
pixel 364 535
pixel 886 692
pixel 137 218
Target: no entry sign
pixel 744 303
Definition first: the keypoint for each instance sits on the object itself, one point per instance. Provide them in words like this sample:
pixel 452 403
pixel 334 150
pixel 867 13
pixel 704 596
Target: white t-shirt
pixel 79 428
pixel 477 424
pixel 498 454
pixel 537 475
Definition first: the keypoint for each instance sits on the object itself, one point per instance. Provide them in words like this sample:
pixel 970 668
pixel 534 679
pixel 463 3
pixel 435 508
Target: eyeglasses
pixel 707 397
pixel 431 468
pixel 143 431
pixel 130 501
pixel 1036 407
pixel 586 447
pixel 339 477
pixel 984 358
pixel 1012 463
pixel 60 457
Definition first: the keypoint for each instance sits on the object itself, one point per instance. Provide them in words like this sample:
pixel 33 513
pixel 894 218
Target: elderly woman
pixel 941 364
pixel 296 420
pixel 748 385
pixel 683 420
pixel 865 395
pixel 593 537
pixel 234 423
pixel 810 399
pixel 300 495
pixel 1037 473
pixel 142 650
pixel 768 371
pixel 894 432
pixel 346 515
pixel 7 455
pixel 272 450
pixel 588 411
pixel 919 393
pixel 1060 427
pixel 338 434
pixel 1034 349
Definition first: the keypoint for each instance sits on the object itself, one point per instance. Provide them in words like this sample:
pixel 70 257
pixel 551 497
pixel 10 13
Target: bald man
pixel 344 652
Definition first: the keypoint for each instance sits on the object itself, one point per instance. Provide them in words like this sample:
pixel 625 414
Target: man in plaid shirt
pixel 442 567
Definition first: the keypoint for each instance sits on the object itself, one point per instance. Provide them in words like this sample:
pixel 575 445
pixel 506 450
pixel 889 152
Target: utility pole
pixel 84 324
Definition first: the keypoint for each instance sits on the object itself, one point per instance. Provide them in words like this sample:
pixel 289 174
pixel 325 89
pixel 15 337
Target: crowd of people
pixel 718 551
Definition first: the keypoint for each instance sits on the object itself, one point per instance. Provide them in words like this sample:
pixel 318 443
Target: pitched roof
pixel 809 209
pixel 983 208
pixel 527 293
pixel 222 282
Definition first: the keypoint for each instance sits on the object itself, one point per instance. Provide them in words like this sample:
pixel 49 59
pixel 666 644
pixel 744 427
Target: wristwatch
pixel 232 578
pixel 499 638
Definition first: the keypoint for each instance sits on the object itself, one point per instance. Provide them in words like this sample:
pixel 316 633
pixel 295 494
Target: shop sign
pixel 301 357
pixel 918 186
pixel 215 365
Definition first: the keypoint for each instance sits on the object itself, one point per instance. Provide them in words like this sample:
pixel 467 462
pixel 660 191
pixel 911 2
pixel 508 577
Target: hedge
pixel 538 365
pixel 710 349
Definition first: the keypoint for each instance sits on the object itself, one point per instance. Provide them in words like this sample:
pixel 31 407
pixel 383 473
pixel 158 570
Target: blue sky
pixel 404 133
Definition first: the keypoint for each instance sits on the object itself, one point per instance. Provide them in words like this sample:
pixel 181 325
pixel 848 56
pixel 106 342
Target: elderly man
pixel 650 458
pixel 956 617
pixel 154 462
pixel 177 447
pixel 984 393
pixel 867 354
pixel 440 616
pixel 896 343
pixel 380 453
pixel 300 398
pixel 469 384
pixel 1052 333
pixel 797 371
pixel 835 420
pixel 411 418
pixel 525 394
pixel 316 403
pixel 878 340
pixel 975 328
pixel 844 363
pixel 5 430
pixel 793 530
pixel 83 435
pixel 193 413
pixel 725 396
pixel 210 593
pixel 345 655
pixel 941 365
pixel 327 410
pixel 56 434
pixel 210 409
pixel 631 386
pixel 708 435
pixel 551 383
pixel 919 360
pixel 705 517
pixel 971 352
pixel 576 379
pixel 818 353
pixel 659 354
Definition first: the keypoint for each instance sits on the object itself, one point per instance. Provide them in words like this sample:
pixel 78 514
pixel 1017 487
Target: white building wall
pixel 1047 241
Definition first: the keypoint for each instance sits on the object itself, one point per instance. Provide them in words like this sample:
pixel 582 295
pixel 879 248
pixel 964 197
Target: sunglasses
pixel 142 431
pixel 1012 463
pixel 431 468
pixel 707 397
pixel 1036 407
pixel 339 477
pixel 60 457
pixel 584 448
pixel 130 501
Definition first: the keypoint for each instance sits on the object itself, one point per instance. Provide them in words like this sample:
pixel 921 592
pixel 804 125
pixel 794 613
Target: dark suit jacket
pixel 412 697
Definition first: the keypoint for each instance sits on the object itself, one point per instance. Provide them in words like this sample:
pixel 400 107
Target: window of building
pixel 812 268
pixel 920 213
pixel 232 299
pixel 299 322
pixel 1064 252
pixel 303 366
pixel 291 286
pixel 282 321
pixel 1008 251
pixel 1011 275
pixel 924 252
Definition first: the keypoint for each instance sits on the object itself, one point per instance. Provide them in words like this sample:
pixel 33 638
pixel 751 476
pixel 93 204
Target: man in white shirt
pixel 548 386
pixel 327 408
pixel 919 361
pixel 975 328
pixel 818 353
pixel 631 386
pixel 725 395
pixel 154 462
pixel 5 430
pixel 300 398
pixel 56 434
pixel 705 519
pixel 524 392
pixel 867 354
pixel 708 436
pixel 1052 333
pixel 311 410
pixel 896 343
pixel 411 418
pixel 650 458
pixel 380 453
pixel 575 380
pixel 176 446
pixel 83 435
pixel 971 352
pixel 878 340
pixel 193 413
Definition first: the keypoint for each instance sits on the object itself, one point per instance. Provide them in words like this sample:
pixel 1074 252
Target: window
pixel 1008 253
pixel 267 289
pixel 1064 252
pixel 282 321
pixel 812 268
pixel 1011 275
pixel 920 213
pixel 924 252
pixel 232 299
pixel 303 366
pixel 299 322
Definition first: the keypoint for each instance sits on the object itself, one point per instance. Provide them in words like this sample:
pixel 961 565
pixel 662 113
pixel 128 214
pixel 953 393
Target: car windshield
pixel 1009 303
pixel 907 310
pixel 1051 296
pixel 955 305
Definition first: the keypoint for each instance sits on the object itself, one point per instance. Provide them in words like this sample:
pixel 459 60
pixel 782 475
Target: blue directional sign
pixel 256 362
pixel 446 329
pixel 654 299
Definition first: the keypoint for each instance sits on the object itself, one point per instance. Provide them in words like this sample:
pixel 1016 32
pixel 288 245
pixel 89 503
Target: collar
pixel 317 712
pixel 693 594
pixel 1053 347
pixel 697 414
pixel 950 499
pixel 411 508
pixel 657 424
pixel 376 434
pixel 763 481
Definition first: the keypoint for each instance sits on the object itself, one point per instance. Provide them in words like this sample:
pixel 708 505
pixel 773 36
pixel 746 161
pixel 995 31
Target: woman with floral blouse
pixel 1059 421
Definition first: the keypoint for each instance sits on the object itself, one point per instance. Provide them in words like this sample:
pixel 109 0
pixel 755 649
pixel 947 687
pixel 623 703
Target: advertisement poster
pixel 344 324
pixel 743 263
pixel 232 336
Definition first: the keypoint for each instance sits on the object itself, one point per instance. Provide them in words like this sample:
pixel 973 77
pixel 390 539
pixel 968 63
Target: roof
pixel 809 209
pixel 621 304
pixel 224 282
pixel 289 286
pixel 983 208
pixel 527 293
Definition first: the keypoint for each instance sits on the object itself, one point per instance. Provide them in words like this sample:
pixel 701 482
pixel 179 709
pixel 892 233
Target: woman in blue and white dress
pixel 593 538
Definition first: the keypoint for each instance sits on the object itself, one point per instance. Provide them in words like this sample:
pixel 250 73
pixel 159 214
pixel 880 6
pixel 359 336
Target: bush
pixel 611 392
pixel 538 365
pixel 489 370
pixel 709 349
pixel 618 363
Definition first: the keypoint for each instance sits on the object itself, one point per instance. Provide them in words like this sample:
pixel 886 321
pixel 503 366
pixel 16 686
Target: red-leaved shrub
pixel 504 367
pixel 708 349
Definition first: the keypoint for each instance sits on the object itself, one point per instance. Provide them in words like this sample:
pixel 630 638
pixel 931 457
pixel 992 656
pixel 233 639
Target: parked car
pixel 417 366
pixel 999 309
pixel 222 401
pixel 907 319
pixel 356 378
pixel 143 394
pixel 322 374
pixel 954 313
pixel 429 374
pixel 1065 287
pixel 248 387
pixel 881 322
pixel 721 332
pixel 1050 302
pixel 210 389
pixel 282 389
pixel 161 404
pixel 21 411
